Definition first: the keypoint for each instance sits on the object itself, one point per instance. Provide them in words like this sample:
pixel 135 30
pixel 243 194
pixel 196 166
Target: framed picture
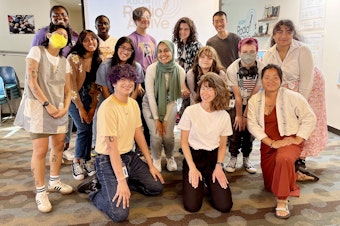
pixel 21 24
pixel 276 11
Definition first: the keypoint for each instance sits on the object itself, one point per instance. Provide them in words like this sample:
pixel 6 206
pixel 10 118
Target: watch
pixel 46 103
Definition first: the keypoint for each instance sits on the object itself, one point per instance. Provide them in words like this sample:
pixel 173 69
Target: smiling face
pixel 144 21
pixel 271 80
pixel 220 23
pixel 207 93
pixel 90 43
pixel 283 36
pixel 102 25
pixel 124 52
pixel 184 32
pixel 164 54
pixel 124 86
pixel 60 16
pixel 205 61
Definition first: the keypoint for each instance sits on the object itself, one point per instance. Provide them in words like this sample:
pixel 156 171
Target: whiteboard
pixel 164 15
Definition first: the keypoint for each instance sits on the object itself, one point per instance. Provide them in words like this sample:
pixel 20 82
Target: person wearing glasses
pixel 106 41
pixel 123 54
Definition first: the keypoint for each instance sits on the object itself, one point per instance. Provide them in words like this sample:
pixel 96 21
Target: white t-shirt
pixel 35 54
pixel 205 128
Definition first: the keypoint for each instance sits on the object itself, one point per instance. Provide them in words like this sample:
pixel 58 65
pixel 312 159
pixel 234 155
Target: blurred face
pixel 184 31
pixel 102 25
pixel 124 52
pixel 144 21
pixel 59 16
pixel 164 53
pixel 271 80
pixel 90 43
pixel 220 23
pixel 207 93
pixel 124 86
pixel 205 61
pixel 284 36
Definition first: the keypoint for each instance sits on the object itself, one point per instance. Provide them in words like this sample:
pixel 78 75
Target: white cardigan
pixel 294 115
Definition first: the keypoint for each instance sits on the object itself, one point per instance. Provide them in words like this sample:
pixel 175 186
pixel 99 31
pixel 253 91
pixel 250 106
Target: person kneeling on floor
pixel 119 169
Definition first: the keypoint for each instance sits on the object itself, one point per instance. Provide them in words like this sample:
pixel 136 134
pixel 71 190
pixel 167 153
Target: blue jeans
pixel 139 180
pixel 84 130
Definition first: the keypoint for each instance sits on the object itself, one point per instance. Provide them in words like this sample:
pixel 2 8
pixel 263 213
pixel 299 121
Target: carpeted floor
pixel 319 203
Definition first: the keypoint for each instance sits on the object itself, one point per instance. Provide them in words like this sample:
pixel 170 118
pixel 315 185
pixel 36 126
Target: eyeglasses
pixel 126 49
pixel 59 15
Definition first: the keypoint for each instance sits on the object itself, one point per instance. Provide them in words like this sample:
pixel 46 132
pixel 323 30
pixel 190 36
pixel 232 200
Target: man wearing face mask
pixel 244 79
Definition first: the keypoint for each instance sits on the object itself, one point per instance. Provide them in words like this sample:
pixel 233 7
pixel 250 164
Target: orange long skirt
pixel 278 165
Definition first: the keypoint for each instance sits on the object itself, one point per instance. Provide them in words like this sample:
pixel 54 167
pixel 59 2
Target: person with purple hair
pixel 119 168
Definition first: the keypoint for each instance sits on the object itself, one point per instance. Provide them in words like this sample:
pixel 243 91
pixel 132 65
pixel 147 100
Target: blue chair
pixel 4 100
pixel 11 81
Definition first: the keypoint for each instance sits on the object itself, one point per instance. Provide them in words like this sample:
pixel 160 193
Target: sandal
pixel 304 175
pixel 283 209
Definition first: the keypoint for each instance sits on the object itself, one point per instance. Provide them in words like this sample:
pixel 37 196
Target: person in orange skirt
pixel 282 120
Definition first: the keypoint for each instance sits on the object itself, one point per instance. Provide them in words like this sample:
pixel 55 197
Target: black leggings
pixel 205 162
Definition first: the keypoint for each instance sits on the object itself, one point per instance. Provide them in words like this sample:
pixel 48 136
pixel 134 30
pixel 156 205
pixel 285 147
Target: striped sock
pixel 40 189
pixel 53 179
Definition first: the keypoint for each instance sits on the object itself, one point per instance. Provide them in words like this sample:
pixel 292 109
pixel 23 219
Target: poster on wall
pixel 21 24
pixel 164 15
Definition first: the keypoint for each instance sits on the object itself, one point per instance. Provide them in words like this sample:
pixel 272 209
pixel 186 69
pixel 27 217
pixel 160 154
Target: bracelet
pixel 244 116
pixel 220 163
pixel 271 145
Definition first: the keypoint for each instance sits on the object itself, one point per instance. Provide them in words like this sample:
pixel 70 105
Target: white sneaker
pixel 158 164
pixel 43 203
pixel 171 164
pixel 68 155
pixel 248 165
pixel 59 187
pixel 89 168
pixel 231 166
pixel 77 171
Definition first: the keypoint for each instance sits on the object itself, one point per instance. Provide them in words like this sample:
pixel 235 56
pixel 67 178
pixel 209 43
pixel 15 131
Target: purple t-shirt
pixel 145 49
pixel 40 36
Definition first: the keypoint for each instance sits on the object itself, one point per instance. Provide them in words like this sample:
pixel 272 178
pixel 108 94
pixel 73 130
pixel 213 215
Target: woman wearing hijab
pixel 164 80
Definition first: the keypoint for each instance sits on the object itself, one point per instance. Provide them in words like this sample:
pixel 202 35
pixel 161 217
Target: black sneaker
pixel 90 184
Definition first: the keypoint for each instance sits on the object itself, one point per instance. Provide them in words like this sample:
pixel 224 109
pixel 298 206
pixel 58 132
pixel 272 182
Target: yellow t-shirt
pixel 117 119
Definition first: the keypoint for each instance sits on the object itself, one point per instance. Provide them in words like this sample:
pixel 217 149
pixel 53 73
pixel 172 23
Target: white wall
pixel 330 66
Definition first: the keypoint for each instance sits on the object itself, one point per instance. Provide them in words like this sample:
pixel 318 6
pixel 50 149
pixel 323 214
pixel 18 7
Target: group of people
pixel 122 97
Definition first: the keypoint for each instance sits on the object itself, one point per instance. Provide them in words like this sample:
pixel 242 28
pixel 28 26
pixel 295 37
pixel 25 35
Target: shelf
pixel 268 19
pixel 264 35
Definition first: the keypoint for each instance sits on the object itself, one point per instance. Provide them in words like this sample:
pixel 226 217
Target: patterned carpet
pixel 319 203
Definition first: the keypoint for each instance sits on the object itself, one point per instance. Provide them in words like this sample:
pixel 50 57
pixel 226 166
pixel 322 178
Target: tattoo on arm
pixel 111 139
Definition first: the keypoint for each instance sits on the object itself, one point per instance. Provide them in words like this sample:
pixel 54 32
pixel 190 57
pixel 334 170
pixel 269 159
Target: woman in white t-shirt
pixel 43 110
pixel 205 127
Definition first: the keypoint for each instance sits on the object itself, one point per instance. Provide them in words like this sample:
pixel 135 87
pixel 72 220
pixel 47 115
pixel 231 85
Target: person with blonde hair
pixel 205 127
